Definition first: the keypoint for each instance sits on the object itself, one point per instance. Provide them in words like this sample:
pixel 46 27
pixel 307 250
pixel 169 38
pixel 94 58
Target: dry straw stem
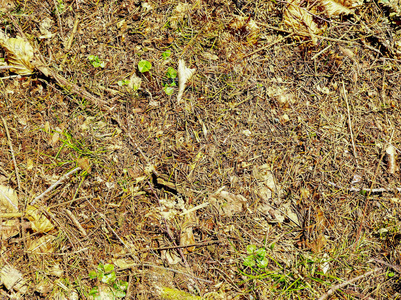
pixel 341 285
pixel 349 122
pixel 10 144
pixel 76 222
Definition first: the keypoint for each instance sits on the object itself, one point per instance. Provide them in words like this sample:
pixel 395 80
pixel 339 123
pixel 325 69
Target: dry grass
pixel 314 114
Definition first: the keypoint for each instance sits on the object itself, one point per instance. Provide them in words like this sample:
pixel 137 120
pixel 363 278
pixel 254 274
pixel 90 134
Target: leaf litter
pixel 263 151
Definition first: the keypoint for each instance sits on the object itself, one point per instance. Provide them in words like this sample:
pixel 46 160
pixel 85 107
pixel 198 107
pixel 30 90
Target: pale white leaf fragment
pixel 45 27
pixel 134 82
pixel 184 74
pixel 356 179
pixel 391 159
pixel 209 56
pixel 13 279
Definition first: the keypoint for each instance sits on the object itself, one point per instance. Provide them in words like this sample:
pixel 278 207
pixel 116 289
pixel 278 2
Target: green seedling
pixel 106 274
pixel 96 62
pixel 60 6
pixel 166 54
pixel 171 75
pixel 256 257
pixel 144 66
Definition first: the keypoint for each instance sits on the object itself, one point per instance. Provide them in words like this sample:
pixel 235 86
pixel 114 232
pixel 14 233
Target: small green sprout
pixel 96 62
pixel 60 6
pixel 171 74
pixel 256 257
pixel 144 66
pixel 166 54
pixel 106 274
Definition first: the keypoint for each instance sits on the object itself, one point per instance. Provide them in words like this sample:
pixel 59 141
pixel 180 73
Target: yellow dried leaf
pixel 19 53
pixel 336 8
pixel 39 222
pixel 9 229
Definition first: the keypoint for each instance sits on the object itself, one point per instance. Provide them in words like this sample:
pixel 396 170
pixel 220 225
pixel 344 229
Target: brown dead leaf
pixel 318 244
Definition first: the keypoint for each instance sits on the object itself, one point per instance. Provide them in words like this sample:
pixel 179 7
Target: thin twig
pixel 10 144
pixel 183 246
pixel 341 285
pixel 54 185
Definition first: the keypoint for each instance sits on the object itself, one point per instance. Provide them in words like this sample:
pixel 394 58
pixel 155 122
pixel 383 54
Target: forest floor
pixel 272 175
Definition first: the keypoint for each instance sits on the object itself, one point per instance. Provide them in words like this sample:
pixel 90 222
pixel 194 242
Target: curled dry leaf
pixel 300 20
pixel 266 183
pixel 8 199
pixel 184 74
pixel 39 222
pixel 19 54
pixel 227 203
pixel 170 256
pixel 187 235
pixel 9 229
